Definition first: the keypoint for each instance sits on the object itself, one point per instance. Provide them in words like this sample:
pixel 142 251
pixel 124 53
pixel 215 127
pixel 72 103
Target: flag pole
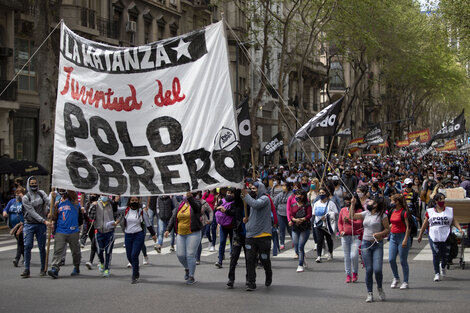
pixel 327 160
pixel 49 230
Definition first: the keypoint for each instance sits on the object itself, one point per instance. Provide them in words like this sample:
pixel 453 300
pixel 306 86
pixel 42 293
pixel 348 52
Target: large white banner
pixel 148 120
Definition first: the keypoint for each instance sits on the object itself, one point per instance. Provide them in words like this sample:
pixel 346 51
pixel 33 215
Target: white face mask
pixel 431 178
pixel 360 194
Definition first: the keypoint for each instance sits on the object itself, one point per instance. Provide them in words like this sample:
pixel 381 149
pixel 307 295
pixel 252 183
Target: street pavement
pixel 320 288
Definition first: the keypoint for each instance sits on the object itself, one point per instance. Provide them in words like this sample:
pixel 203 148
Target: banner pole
pixel 253 164
pixel 49 230
pixel 327 161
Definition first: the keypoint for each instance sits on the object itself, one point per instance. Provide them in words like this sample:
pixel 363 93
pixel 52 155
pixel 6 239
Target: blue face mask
pixel 322 197
pixel 104 198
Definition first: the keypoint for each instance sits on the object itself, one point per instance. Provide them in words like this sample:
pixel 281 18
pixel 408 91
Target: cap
pixel 335 177
pixel 408 181
pixel 455 178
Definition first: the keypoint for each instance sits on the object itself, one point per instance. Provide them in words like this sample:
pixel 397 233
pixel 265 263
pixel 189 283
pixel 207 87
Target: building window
pixel 25 138
pixel 336 76
pixel 27 77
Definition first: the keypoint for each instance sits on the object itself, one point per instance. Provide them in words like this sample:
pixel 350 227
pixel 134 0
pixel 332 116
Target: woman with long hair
pixel 299 217
pixel 325 212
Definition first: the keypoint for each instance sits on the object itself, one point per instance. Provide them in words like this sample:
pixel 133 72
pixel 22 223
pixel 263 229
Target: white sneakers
pixel 300 269
pixel 381 294
pixel 443 271
pixel 129 265
pixel 370 297
pixel 212 249
pixel 318 260
pixel 395 283
pixel 404 286
pixel 437 277
pixel 329 257
pixel 146 260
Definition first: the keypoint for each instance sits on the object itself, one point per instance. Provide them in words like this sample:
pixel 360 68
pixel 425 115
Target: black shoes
pixel 250 287
pixel 230 284
pixel 25 274
pixel 53 273
pixel 15 263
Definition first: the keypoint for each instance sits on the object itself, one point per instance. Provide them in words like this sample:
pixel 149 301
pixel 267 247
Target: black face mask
pixel 33 188
pixel 63 193
pixel 93 198
pixel 370 207
pixel 392 206
pixel 304 185
pixel 336 183
pixel 253 194
pixel 409 185
pixel 134 205
pixel 229 198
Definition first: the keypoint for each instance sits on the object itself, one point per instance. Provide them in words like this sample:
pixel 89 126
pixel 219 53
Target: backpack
pixel 412 222
pixel 141 217
pixel 223 219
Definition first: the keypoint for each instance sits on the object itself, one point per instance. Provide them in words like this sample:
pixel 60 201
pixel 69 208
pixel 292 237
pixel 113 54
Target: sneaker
pixel 106 274
pixel 129 265
pixel 186 274
pixel 381 294
pixel 218 265
pixel 354 277
pixel 443 272
pixel 53 273
pixel 25 274
pixel 75 271
pixel 318 260
pixel 404 286
pixel 89 265
pixel 300 269
pixel 158 248
pixel 190 281
pixel 329 257
pixel 437 277
pixel 134 280
pixel 282 247
pixel 146 260
pixel 315 247
pixel 395 283
pixel 348 279
pixel 296 257
pixel 172 248
pixel 42 273
pixel 82 245
pixel 212 249
pixel 268 281
pixel 101 267
pixel 15 263
pixel 250 287
pixel 198 262
pixel 230 284
pixel 370 297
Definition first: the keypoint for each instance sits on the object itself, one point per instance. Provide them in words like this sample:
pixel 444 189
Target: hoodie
pixel 259 220
pixel 35 205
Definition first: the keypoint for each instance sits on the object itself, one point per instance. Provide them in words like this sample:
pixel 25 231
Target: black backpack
pixel 411 221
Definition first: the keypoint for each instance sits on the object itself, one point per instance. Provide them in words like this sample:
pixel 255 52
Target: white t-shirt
pixel 133 222
pixel 439 223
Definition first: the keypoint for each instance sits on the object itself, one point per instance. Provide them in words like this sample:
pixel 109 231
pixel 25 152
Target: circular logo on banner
pixel 244 128
pixel 225 139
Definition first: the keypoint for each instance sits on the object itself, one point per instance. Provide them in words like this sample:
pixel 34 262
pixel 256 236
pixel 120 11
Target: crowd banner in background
pixel 452 130
pixel 273 145
pixel 147 120
pixel 450 145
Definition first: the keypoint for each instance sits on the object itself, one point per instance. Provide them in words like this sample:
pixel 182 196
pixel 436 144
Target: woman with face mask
pixel 325 212
pixel 92 200
pixel 224 214
pixel 135 221
pixel 280 202
pixel 376 228
pixel 14 212
pixel 439 219
pixel 299 219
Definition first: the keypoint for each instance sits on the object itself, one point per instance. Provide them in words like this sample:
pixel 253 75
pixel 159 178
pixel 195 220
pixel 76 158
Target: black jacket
pixel 195 211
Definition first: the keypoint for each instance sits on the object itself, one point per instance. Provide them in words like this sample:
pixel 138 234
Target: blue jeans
pixel 300 239
pixel 161 230
pixel 134 243
pixel 283 225
pixel 104 245
pixel 395 248
pixel 29 230
pixel 276 248
pixel 440 254
pixel 212 230
pixel 224 232
pixel 351 253
pixel 373 257
pixel 187 248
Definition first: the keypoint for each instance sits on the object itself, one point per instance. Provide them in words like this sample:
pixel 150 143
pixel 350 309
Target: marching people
pixel 14 212
pixel 211 232
pixel 92 198
pixel 68 218
pixel 324 211
pixel 186 221
pixel 439 220
pixel 350 232
pixel 258 234
pixel 165 206
pixel 104 213
pixel 207 215
pixel 135 222
pixel 400 240
pixel 224 214
pixel 376 228
pixel 280 202
pixel 239 236
pixel 299 217
pixel 35 208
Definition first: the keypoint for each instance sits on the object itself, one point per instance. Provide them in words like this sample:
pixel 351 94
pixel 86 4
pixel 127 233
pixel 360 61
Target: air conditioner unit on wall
pixel 131 27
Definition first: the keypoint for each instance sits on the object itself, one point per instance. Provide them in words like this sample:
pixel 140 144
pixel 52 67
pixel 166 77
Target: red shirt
pixel 398 226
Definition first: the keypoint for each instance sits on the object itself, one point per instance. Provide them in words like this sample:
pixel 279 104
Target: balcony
pixel 108 28
pixel 10 93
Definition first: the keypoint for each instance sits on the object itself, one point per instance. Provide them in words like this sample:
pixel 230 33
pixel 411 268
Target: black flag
pixel 374 136
pixel 244 126
pixel 322 124
pixel 455 128
pixel 273 145
pixel 344 133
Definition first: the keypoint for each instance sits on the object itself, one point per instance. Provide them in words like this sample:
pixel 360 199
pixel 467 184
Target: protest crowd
pixel 363 200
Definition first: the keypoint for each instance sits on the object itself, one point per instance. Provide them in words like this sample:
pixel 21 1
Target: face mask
pixel 375 185
pixel 18 198
pixel 393 205
pixel 441 203
pixel 292 176
pixel 298 199
pixel 104 198
pixel 33 188
pixel 294 190
pixel 431 178
pixel 439 178
pixel 370 207
pixel 134 205
pixel 449 176
pixel 360 194
pixel 312 186
pixel 409 185
pixel 93 198
pixel 275 184
pixel 322 197
pixel 336 183
pixel 229 198
pixel 253 194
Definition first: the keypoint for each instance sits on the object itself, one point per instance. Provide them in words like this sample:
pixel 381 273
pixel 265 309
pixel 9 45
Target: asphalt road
pixel 320 288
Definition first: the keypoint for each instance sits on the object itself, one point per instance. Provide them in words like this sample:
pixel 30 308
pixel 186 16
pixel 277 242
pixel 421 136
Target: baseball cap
pixel 408 181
